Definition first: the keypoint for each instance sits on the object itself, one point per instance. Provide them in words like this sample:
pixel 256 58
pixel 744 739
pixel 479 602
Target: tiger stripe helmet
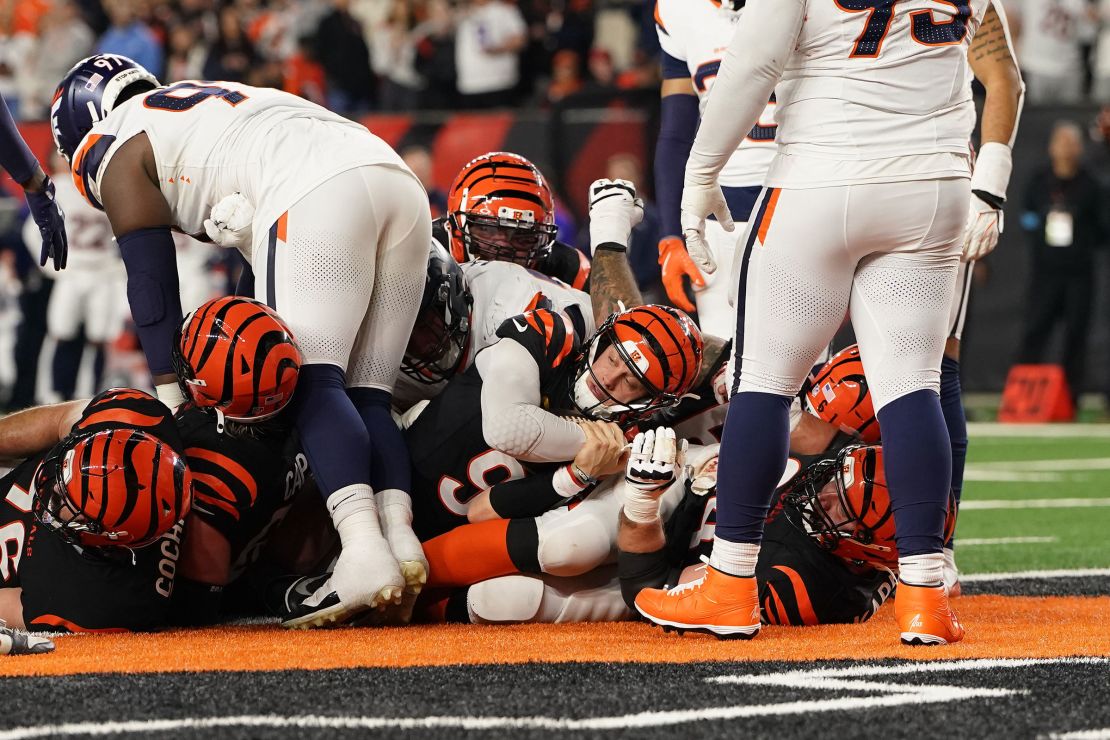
pixel 662 348
pixel 237 356
pixel 500 208
pixel 845 506
pixel 121 487
pixel 840 396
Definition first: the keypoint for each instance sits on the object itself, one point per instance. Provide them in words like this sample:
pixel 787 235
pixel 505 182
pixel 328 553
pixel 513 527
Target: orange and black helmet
pixel 500 208
pixel 839 396
pixel 237 356
pixel 844 504
pixel 662 349
pixel 121 487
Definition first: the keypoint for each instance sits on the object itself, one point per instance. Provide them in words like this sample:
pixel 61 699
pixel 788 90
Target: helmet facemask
pixel 438 344
pixel 511 236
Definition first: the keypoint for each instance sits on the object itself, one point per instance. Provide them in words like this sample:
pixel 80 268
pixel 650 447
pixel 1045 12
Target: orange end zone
pixel 998 627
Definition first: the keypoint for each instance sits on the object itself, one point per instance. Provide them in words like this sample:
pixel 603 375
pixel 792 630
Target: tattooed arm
pixel 992 60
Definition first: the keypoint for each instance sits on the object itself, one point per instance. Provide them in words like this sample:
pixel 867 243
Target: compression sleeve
pixel 752 65
pixel 640 570
pixel 512 418
pixel 15 156
pixel 678 122
pixel 152 292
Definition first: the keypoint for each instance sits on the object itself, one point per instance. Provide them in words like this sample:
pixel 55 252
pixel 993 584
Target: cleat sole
pixel 718 631
pixel 921 639
pixel 415 574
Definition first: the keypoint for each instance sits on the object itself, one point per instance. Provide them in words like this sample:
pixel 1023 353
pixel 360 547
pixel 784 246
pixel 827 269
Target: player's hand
pixel 655 458
pixel 614 212
pixel 677 264
pixel 699 202
pixel 984 224
pixel 51 222
pixel 229 222
pixel 604 450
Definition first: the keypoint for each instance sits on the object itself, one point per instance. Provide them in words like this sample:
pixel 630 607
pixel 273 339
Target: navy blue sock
pixel 952 404
pixel 754 449
pixel 99 359
pixel 334 438
pixel 917 457
pixel 389 455
pixel 65 365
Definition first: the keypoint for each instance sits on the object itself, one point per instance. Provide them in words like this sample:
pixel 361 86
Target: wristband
pixel 640 507
pixel 170 394
pixel 991 176
pixel 584 478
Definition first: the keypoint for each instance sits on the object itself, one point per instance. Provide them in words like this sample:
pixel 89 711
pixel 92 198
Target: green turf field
pixel 1033 470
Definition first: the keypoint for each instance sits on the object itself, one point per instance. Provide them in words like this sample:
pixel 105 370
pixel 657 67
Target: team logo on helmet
pixel 117 487
pixel 236 356
pixel 660 349
pixel 839 395
pixel 501 208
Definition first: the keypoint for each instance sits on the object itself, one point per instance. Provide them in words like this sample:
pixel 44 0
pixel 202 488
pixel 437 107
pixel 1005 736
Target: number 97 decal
pixel 924 26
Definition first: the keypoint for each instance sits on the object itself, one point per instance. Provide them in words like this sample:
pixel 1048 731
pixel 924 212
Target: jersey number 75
pixel 924 26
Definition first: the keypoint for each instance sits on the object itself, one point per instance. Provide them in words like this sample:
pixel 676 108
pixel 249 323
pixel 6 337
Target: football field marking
pixel 1100 734
pixel 880 694
pixel 1034 575
pixel 974 542
pixel 1036 466
pixel 982 429
pixel 1035 503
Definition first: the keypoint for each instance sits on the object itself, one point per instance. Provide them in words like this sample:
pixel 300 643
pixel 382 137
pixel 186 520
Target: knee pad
pixel 505 599
pixel 573 546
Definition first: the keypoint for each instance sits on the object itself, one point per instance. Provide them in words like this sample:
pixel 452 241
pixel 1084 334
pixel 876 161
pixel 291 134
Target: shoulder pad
pixel 128 408
pixel 548 336
pixel 88 166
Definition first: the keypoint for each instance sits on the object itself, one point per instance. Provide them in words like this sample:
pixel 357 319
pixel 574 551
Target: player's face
pixel 829 498
pixel 506 243
pixel 612 380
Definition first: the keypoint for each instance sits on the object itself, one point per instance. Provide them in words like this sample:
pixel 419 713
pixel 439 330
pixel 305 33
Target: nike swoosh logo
pixel 519 326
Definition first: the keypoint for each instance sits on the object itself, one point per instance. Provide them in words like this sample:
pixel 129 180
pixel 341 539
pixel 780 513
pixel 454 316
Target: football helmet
pixel 843 503
pixel 660 346
pixel 501 208
pixel 90 91
pixel 438 343
pixel 236 356
pixel 839 396
pixel 121 487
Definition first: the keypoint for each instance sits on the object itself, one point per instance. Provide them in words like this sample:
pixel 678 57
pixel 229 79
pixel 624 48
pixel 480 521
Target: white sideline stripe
pixel 1102 734
pixel 1005 476
pixel 1007 541
pixel 986 429
pixel 1036 466
pixel 1034 574
pixel 834 678
pixel 1035 503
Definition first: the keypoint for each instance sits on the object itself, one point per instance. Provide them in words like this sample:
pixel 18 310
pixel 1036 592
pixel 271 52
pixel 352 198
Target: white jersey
pixel 877 93
pixel 502 290
pixel 212 139
pixel 92 250
pixel 697 32
pixel 1052 31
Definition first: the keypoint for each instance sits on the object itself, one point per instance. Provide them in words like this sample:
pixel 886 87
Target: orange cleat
pixel 717 604
pixel 924 615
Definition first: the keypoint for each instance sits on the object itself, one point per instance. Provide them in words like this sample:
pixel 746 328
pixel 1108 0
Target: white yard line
pixel 972 542
pixel 1034 575
pixel 1006 476
pixel 1036 466
pixel 1100 734
pixel 1035 503
pixel 985 429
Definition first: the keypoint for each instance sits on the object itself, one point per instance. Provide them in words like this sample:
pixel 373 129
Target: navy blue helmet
pixel 88 93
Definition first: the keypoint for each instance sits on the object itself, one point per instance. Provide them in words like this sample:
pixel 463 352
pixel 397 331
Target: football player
pixel 336 229
pixel 797 275
pixel 91 519
pixel 693 37
pixel 17 160
pixel 500 207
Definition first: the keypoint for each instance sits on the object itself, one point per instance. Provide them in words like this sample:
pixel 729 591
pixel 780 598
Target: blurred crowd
pixel 1063 47
pixel 354 56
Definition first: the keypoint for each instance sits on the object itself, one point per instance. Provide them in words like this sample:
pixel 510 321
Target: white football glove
pixel 699 201
pixel 614 212
pixel 993 165
pixel 229 222
pixel 18 642
pixel 654 461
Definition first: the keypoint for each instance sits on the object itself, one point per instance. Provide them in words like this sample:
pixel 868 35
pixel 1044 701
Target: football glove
pixel 653 462
pixel 48 216
pixel 699 201
pixel 988 192
pixel 614 212
pixel 229 222
pixel 676 264
pixel 18 642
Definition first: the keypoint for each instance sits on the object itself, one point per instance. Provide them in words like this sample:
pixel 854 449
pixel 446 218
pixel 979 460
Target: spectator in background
pixel 231 57
pixel 490 36
pixel 1101 89
pixel 185 55
pixel 303 75
pixel 63 39
pixel 1049 35
pixel 566 80
pixel 419 160
pixel 603 76
pixel 1063 216
pixel 434 39
pixel 345 57
pixel 129 36
pixel 395 58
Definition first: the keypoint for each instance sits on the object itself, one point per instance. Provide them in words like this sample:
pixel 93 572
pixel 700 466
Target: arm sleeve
pixel 152 292
pixel 533 494
pixel 678 123
pixel 753 63
pixel 512 419
pixel 15 156
pixel 640 570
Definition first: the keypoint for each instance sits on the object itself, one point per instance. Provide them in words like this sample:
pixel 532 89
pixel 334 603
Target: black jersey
pixel 244 478
pixel 65 587
pixel 451 460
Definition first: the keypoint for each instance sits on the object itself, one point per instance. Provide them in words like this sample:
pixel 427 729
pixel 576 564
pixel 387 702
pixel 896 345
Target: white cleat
pixel 365 577
pixel 395 515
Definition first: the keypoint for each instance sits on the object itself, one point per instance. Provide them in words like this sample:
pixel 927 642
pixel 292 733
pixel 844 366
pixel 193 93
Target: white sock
pixel 355 514
pixel 734 558
pixel 922 570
